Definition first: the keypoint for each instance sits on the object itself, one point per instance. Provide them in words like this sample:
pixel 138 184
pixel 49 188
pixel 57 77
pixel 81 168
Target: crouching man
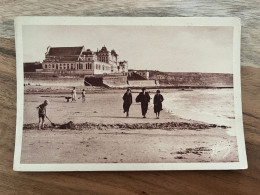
pixel 42 114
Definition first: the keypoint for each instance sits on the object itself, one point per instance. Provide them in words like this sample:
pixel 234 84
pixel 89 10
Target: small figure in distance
pixel 42 114
pixel 144 98
pixel 74 94
pixel 157 101
pixel 127 101
pixel 83 95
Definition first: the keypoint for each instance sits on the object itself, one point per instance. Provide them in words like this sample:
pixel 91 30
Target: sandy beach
pixel 102 133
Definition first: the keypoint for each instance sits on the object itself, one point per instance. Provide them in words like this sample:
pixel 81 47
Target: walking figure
pixel 157 101
pixel 74 94
pixel 144 98
pixel 83 95
pixel 127 101
pixel 42 112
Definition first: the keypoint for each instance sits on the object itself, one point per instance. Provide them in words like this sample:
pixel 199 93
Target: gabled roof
pixel 65 51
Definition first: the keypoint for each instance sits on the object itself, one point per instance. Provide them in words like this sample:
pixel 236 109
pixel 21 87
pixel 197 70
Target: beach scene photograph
pixel 128 94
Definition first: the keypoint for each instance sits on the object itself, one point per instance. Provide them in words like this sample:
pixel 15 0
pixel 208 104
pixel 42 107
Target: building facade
pixel 79 60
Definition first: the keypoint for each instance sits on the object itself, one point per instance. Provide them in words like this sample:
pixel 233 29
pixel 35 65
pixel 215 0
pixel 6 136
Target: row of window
pixel 60 66
pixel 100 67
pixel 104 59
pixel 88 66
pixel 68 66
pixel 87 59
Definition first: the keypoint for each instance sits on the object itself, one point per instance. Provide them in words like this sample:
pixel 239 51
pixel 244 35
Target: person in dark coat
pixel 127 101
pixel 157 101
pixel 144 98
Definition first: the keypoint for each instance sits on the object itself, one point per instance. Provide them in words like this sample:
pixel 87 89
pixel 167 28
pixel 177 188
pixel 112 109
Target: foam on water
pixel 214 106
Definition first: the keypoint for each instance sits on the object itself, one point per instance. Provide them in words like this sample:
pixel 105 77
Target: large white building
pixel 78 60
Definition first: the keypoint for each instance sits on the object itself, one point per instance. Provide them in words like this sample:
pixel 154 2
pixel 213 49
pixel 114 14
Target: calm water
pixel 214 106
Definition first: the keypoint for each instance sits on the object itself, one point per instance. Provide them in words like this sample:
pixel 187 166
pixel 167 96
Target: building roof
pixel 65 51
pixel 104 49
pixel 87 52
pixel 113 52
pixel 69 59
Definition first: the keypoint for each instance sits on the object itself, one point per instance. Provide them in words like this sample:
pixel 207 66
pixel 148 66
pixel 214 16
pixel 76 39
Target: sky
pixel 163 48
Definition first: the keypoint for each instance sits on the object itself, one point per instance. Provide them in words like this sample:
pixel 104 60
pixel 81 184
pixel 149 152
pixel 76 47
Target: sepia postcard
pixel 128 93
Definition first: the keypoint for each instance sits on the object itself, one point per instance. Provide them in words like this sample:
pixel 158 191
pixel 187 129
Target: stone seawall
pixel 55 81
pixel 143 83
pixel 115 81
pixel 118 81
pixel 108 81
pixel 193 79
pixel 179 80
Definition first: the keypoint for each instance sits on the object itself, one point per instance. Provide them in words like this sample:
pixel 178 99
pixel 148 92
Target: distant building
pixel 142 73
pixel 123 67
pixel 32 66
pixel 80 61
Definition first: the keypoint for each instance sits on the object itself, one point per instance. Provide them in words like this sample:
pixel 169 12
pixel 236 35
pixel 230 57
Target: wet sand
pixel 102 142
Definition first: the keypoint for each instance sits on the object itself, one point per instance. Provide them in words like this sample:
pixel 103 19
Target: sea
pixel 214 106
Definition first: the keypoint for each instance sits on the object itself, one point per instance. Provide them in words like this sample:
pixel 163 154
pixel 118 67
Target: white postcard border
pixel 135 21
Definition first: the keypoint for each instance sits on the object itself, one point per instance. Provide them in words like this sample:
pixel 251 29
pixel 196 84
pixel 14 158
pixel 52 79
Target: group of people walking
pixel 144 99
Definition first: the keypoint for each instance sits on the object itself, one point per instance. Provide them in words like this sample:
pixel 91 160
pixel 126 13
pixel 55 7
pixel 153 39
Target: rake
pixel 53 124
